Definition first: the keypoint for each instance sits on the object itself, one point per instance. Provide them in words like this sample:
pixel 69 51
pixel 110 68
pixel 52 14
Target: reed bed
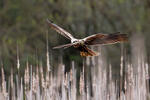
pixel 95 82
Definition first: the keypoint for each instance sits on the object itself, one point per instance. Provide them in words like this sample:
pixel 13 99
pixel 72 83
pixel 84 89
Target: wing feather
pixel 60 30
pixel 105 39
pixel 64 46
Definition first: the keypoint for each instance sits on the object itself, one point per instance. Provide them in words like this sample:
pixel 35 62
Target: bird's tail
pixel 88 52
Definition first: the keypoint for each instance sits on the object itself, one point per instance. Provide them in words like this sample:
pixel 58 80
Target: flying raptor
pixel 81 44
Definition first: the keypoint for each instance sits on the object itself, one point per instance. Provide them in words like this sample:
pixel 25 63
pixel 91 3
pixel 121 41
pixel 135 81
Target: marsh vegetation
pixel 93 82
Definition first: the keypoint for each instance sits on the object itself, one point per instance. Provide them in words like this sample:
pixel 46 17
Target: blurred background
pixel 24 31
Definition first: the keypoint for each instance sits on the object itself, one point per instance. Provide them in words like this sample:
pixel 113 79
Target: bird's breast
pixel 76 45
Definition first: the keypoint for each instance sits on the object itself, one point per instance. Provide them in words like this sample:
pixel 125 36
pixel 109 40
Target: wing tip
pixel 65 46
pixel 49 21
pixel 57 47
pixel 54 48
pixel 123 37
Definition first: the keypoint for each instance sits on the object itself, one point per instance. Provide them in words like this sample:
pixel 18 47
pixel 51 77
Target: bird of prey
pixel 81 44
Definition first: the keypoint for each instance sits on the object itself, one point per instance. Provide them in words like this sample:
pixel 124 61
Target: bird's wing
pixel 85 51
pixel 63 46
pixel 105 39
pixel 60 30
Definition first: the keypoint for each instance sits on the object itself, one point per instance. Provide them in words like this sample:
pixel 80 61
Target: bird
pixel 82 44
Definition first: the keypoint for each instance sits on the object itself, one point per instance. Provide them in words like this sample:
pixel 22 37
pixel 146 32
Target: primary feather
pixel 60 30
pixel 105 39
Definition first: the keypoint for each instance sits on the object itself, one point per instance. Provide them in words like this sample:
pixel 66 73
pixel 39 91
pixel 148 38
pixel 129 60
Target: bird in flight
pixel 81 44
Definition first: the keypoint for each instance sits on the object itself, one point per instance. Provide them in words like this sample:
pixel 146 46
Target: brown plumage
pixel 96 39
pixel 88 52
pixel 106 39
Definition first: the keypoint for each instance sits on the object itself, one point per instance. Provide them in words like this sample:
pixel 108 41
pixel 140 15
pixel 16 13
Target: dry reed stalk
pixel 64 84
pixel 26 78
pixel 4 91
pixel 71 75
pixel 20 90
pixel 34 83
pixel 81 85
pixel 42 78
pixel 12 88
pixel 18 61
pixel 47 81
pixel 47 53
pixel 112 90
pixel 37 77
pixel 48 60
pixel 66 81
pixel 11 79
pixel 73 82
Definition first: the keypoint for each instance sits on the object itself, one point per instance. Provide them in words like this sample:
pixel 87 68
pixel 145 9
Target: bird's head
pixel 78 41
pixel 74 41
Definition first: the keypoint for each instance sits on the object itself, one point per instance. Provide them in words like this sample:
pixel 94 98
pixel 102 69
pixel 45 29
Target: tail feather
pixel 88 52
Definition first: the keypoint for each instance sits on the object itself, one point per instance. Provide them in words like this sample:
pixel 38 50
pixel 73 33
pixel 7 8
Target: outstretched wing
pixel 85 51
pixel 60 30
pixel 105 39
pixel 63 46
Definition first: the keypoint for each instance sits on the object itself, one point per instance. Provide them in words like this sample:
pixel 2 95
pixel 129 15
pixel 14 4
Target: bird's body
pixel 81 44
